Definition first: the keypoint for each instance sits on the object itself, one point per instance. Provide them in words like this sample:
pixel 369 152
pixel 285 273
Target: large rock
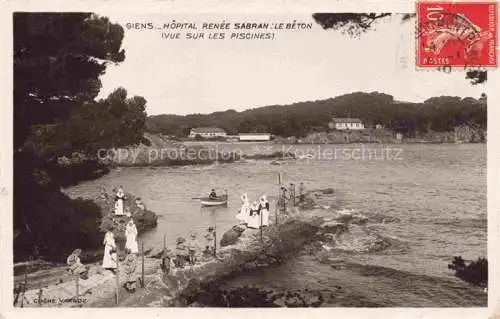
pixel 231 236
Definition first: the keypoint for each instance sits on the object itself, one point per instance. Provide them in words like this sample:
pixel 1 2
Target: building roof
pixel 345 120
pixel 244 134
pixel 207 130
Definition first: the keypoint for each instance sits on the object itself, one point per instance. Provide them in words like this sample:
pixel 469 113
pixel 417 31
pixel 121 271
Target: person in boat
pixel 181 252
pixel 75 266
pixel 254 219
pixel 131 235
pixel 120 196
pixel 302 192
pixel 109 259
pixel 209 240
pixel 264 210
pixel 213 194
pixel 244 210
pixel 129 269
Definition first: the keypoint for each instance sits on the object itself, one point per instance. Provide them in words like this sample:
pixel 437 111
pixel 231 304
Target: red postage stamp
pixel 456 34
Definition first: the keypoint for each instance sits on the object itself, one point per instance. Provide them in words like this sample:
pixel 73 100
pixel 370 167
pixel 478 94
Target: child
pixel 193 248
pixel 166 261
pixel 181 252
pixel 75 265
pixel 209 237
pixel 140 204
pixel 129 268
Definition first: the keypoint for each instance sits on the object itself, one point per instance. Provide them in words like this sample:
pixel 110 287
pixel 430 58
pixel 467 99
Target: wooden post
pixel 117 279
pixel 40 293
pixel 284 202
pixel 215 240
pixel 294 195
pixel 77 283
pixel 164 243
pixel 276 212
pixel 279 178
pixel 24 287
pixel 261 239
pixel 142 269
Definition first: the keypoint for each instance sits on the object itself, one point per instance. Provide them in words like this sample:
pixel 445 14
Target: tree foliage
pixel 351 23
pixel 355 24
pixel 106 123
pixel 442 114
pixel 58 60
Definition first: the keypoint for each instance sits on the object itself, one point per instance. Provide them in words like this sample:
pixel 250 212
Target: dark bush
pixel 476 272
pixel 57 226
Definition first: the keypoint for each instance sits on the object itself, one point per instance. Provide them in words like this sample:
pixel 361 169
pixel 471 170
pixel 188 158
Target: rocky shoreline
pixel 278 242
pixel 144 219
pixel 314 229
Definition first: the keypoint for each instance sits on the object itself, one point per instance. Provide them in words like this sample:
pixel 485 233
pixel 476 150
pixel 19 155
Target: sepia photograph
pixel 328 159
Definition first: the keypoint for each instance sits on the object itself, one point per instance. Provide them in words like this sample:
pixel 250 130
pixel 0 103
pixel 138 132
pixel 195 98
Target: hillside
pixel 440 114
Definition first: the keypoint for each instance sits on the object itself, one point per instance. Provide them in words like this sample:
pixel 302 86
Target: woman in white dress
pixel 254 218
pixel 264 204
pixel 131 234
pixel 120 196
pixel 244 210
pixel 109 259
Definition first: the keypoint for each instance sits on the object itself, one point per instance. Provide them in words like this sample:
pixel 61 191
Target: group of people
pixel 189 251
pixel 110 258
pixel 254 215
pixel 120 209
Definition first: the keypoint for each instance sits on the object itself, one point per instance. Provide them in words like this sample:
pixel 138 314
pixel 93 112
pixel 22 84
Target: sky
pixel 181 76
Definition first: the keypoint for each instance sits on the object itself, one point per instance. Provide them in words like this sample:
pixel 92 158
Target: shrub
pixel 476 272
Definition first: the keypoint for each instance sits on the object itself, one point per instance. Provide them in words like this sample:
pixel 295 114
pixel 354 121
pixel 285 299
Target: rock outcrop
pixel 231 236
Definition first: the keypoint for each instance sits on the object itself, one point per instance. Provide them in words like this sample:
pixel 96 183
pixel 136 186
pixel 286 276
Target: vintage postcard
pixel 199 157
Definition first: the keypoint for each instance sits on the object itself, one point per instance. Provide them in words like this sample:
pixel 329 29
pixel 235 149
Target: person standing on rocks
pixel 131 235
pixel 193 248
pixel 129 268
pixel 244 213
pixel 109 259
pixel 302 192
pixel 209 240
pixel 120 196
pixel 254 219
pixel 140 204
pixel 181 252
pixel 264 210
pixel 75 265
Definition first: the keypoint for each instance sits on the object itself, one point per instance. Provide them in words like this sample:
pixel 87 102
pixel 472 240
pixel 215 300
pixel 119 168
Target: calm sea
pixel 433 195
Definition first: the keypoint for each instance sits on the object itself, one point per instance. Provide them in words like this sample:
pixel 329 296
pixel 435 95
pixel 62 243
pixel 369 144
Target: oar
pixel 196 197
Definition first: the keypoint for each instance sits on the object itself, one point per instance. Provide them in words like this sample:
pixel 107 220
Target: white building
pixel 207 132
pixel 346 124
pixel 257 137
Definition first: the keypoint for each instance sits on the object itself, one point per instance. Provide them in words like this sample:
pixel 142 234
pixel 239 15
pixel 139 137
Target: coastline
pixel 298 234
pixel 144 219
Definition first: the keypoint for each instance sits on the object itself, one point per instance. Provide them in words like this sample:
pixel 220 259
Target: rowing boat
pixel 218 201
